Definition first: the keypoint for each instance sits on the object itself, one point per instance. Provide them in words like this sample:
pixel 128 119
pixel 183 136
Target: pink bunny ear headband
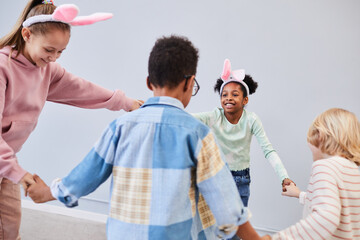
pixel 67 13
pixel 229 76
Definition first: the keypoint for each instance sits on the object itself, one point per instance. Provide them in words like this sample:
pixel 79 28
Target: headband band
pixel 67 13
pixel 48 2
pixel 229 76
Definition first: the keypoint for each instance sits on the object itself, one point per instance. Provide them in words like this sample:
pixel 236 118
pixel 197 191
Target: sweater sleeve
pixel 324 206
pixel 268 150
pixel 90 173
pixel 9 166
pixel 207 118
pixel 69 89
pixel 218 191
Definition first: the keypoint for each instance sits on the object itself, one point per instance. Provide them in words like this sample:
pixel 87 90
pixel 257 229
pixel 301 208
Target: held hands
pixel 26 181
pixel 291 191
pixel 39 191
pixel 36 188
pixel 136 104
pixel 286 182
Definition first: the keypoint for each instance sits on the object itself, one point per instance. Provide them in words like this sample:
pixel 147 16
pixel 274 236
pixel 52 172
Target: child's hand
pixel 136 104
pixel 39 191
pixel 26 181
pixel 286 182
pixel 291 191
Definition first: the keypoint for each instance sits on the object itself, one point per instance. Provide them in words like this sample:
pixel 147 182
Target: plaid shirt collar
pixel 163 100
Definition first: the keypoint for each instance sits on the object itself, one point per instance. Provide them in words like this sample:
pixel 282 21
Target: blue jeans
pixel 242 180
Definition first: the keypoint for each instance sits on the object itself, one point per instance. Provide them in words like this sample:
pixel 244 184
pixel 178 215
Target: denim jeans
pixel 242 180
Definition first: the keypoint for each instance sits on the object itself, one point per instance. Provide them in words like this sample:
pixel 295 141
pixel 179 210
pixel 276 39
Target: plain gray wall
pixel 305 55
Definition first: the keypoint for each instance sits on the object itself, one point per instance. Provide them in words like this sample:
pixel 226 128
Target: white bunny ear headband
pixel 229 76
pixel 67 13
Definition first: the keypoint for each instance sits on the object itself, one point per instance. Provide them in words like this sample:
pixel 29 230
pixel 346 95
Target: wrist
pixel 49 196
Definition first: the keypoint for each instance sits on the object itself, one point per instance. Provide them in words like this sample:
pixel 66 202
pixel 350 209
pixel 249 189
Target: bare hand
pixel 26 181
pixel 291 191
pixel 266 237
pixel 136 104
pixel 40 192
pixel 286 182
pixel 247 232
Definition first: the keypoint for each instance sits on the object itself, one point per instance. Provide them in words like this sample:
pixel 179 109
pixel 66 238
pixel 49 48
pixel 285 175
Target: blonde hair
pixel 33 8
pixel 336 132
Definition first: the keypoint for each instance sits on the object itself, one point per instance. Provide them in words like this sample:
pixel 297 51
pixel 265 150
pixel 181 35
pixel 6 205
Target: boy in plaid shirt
pixel 167 171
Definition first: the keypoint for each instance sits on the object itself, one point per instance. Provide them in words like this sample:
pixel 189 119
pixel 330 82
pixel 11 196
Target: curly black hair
pixel 252 85
pixel 170 60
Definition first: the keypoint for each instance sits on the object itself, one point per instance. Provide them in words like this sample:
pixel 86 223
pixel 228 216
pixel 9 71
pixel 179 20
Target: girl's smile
pixel 42 49
pixel 229 105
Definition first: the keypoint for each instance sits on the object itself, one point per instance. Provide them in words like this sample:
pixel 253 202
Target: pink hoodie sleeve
pixel 9 167
pixel 69 89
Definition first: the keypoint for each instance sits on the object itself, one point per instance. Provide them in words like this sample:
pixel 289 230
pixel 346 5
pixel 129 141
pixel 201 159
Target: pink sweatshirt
pixel 24 88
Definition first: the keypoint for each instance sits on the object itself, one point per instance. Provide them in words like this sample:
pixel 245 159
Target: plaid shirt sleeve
pixel 90 173
pixel 219 201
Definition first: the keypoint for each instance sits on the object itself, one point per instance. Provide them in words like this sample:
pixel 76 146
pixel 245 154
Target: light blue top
pixel 162 162
pixel 235 139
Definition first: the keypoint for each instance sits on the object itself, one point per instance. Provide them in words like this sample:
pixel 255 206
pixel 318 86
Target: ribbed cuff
pixel 16 174
pixel 121 101
pixel 302 197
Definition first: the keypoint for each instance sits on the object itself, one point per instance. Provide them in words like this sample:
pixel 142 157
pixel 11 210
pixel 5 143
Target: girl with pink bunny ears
pixel 29 76
pixel 234 127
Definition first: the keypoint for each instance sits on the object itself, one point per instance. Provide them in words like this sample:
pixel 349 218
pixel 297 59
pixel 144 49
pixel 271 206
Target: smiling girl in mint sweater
pixel 234 127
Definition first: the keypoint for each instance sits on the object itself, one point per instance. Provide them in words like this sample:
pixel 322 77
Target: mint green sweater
pixel 235 139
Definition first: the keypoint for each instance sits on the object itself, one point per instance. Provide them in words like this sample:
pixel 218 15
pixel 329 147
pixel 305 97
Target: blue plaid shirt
pixel 167 174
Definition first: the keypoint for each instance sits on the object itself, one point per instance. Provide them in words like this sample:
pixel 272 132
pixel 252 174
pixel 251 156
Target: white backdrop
pixel 305 55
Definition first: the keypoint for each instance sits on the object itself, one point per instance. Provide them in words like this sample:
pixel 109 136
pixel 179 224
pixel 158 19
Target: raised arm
pixel 268 150
pixel 205 117
pixel 325 208
pixel 91 172
pixel 69 89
